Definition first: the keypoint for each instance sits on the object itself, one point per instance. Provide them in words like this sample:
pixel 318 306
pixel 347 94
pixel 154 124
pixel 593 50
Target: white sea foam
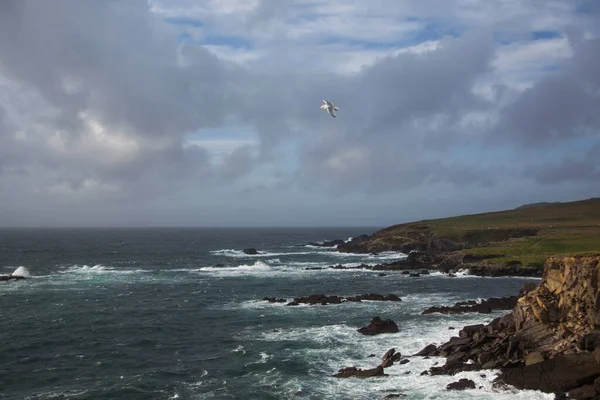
pixel 99 269
pixel 21 271
pixel 264 357
pixel 338 346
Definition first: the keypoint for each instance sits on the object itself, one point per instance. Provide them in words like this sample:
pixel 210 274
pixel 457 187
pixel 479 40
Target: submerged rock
pixel 251 251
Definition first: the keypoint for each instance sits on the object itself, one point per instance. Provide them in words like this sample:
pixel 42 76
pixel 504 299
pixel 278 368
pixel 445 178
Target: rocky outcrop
pixel 484 307
pixel 387 360
pixel 251 251
pixel 405 239
pixel 461 384
pixel 496 270
pixel 11 277
pixel 323 299
pixel 378 326
pixel 548 342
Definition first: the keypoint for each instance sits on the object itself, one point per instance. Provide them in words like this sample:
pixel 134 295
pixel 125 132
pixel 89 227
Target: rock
pixel 382 274
pixel 589 342
pixel 250 251
pixel 414 275
pixel 292 303
pixel 378 326
pixel 353 372
pixel 485 307
pixel 429 350
pixel 560 374
pixel 323 299
pixel 394 395
pixel 404 361
pixel 461 384
pixel 11 277
pixel 534 358
pixel 389 357
pixel 583 392
pixel 274 300
pixel 424 272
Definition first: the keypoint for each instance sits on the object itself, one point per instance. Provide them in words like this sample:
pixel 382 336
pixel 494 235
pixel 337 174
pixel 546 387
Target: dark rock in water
pixel 461 384
pixel 11 277
pixel 405 361
pixel 323 299
pixel 414 275
pixel 250 251
pixel 424 272
pixel 274 300
pixel 485 307
pixel 353 372
pixel 219 265
pixel 429 350
pixel 381 274
pixel 313 268
pixel 394 395
pixel 405 272
pixel 389 358
pixel 371 355
pixel 293 303
pixel 378 326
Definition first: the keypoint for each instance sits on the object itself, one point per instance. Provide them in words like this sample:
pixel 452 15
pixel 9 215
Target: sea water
pixel 177 314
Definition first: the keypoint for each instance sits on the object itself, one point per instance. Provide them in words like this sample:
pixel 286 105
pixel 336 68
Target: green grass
pixel 524 235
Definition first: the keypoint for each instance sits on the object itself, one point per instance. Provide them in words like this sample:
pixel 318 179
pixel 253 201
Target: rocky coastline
pixel 550 341
pixel 426 250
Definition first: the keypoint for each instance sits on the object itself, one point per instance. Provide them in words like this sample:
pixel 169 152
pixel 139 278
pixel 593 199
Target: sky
pixel 206 112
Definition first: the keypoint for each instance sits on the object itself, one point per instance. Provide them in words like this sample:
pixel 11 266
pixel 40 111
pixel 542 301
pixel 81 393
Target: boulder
pixel 378 326
pixel 250 251
pixel 353 372
pixel 461 384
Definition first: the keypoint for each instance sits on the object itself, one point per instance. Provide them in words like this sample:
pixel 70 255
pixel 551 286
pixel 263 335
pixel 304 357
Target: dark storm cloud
pixel 562 106
pixel 585 168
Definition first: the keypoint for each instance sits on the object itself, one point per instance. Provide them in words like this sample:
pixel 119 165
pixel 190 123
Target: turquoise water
pixel 147 314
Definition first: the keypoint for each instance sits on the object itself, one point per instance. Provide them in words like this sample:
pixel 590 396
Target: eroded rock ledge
pixel 323 299
pixel 549 342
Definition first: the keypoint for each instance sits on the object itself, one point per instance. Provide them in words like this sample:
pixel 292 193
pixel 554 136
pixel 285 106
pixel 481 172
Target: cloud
pixel 561 106
pixel 106 103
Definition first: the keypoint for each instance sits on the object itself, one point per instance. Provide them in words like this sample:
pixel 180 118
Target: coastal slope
pixel 519 240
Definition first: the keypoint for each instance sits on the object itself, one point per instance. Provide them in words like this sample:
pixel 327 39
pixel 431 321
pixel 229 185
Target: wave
pixel 98 269
pixel 21 271
pixel 240 254
pixel 337 346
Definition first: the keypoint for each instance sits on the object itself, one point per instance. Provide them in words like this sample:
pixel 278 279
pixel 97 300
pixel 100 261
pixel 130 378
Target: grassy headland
pixel 527 235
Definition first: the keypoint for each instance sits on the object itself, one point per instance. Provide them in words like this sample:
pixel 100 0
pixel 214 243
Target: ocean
pixel 150 314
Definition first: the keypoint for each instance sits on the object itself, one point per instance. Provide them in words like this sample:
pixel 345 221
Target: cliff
pixel 551 339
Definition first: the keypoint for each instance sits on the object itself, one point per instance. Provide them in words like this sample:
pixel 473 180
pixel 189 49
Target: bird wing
pixel 332 113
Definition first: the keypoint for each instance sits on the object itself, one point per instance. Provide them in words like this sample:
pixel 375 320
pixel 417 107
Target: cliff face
pixel 563 309
pixel 549 342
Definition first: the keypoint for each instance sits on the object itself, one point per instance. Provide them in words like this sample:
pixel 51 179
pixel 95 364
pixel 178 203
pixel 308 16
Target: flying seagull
pixel 331 109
